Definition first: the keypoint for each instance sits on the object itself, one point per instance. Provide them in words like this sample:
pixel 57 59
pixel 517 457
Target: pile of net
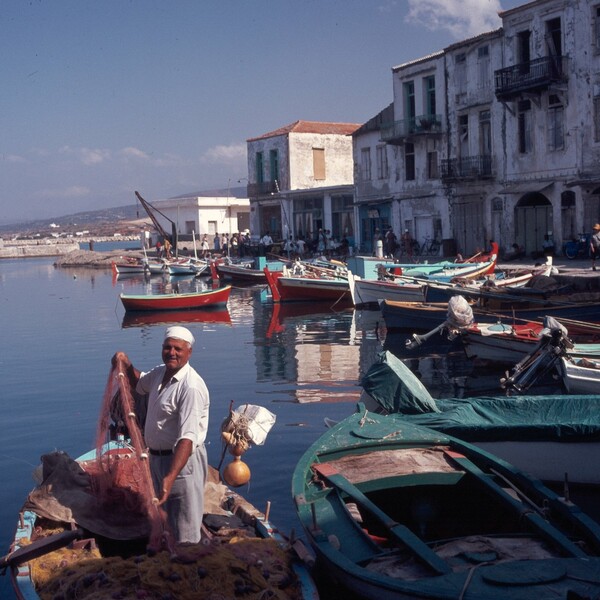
pixel 111 498
pixel 240 568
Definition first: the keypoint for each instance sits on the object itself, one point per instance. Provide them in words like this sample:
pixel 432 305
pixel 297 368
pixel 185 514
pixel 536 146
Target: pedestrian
pixel 168 255
pixel 300 246
pixel 595 245
pixel 175 431
pixel 389 246
pixel 377 244
pixel 225 244
pixel 267 242
pixel 217 242
pixel 159 249
pixel 205 247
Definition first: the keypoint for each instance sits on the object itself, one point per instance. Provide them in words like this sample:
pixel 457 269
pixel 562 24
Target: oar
pixel 40 547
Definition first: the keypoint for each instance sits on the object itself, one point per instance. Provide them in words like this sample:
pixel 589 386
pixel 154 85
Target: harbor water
pixel 303 362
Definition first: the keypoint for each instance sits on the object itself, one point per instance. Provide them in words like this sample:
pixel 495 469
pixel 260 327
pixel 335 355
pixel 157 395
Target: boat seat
pixel 400 533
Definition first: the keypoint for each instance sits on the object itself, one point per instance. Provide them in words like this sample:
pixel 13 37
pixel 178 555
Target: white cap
pixel 180 333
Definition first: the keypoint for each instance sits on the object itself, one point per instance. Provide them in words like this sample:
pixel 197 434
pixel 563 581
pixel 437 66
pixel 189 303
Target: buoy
pixel 236 473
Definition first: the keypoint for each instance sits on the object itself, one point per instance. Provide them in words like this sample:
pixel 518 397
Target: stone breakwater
pixel 67 251
pixel 32 249
pixel 97 260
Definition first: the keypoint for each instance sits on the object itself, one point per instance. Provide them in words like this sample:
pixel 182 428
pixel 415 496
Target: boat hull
pixel 413 315
pixel 391 510
pixel 207 299
pixel 367 292
pixel 580 379
pixel 297 289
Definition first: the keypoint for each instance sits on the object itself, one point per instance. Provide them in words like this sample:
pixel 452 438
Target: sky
pixel 99 98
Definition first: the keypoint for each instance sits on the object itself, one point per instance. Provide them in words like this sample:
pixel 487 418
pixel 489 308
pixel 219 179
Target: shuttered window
pixel 319 163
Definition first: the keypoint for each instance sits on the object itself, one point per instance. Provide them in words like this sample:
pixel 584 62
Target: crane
pixel 172 237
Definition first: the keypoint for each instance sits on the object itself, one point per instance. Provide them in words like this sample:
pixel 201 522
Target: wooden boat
pixel 423 316
pixel 580 375
pixel 97 566
pixel 367 292
pixel 398 511
pixel 205 299
pixel 301 288
pixel 448 272
pixel 128 266
pixel 248 271
pixel 188 266
pixel 506 344
pixel 544 435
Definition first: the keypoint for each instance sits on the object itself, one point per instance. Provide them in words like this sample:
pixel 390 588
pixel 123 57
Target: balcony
pixel 467 167
pixel 396 132
pixel 534 76
pixel 261 189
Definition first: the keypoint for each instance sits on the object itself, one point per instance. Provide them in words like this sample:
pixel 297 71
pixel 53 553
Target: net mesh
pixel 129 482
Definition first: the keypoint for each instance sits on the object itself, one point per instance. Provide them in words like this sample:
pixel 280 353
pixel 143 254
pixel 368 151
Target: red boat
pixel 205 299
pixel 294 288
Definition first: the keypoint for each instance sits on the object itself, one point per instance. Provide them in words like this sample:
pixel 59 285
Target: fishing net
pixel 241 567
pixel 112 496
pixel 115 478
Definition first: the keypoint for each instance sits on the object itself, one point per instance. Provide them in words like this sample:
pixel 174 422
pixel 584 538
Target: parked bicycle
pixel 579 248
pixel 430 247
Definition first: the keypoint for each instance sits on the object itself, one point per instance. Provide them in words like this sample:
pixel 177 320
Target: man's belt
pixel 160 452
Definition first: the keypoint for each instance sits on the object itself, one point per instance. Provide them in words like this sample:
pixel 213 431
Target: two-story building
pixel 495 137
pixel 300 180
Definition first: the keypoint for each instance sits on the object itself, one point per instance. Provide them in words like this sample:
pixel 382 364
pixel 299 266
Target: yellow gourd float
pixel 247 425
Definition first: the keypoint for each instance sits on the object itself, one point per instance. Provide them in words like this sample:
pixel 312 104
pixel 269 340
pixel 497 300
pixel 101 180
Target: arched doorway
pixel 533 220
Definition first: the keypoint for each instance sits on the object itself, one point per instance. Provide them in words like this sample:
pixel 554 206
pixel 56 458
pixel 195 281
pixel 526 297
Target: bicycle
pixel 430 247
pixel 579 248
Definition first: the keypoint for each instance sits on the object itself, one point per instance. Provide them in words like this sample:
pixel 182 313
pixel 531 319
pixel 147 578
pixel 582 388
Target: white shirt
pixel 178 410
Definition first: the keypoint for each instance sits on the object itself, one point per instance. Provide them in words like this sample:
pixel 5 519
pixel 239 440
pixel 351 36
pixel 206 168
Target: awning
pixel 526 187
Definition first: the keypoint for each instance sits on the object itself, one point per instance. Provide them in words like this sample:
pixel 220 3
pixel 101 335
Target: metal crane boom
pixel 172 237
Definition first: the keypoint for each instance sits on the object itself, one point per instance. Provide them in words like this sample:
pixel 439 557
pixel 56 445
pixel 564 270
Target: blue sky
pixel 103 97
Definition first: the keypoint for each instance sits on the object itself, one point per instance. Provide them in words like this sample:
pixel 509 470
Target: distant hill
pixel 82 220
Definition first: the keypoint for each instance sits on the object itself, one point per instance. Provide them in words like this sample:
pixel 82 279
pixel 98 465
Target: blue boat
pixel 395 511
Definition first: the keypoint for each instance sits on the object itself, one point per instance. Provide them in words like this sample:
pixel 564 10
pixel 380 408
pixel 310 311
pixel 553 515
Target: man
pixel 595 245
pixel 175 431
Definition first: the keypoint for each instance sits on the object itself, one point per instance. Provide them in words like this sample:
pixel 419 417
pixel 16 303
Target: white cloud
pixel 90 156
pixel 131 152
pixel 232 153
pixel 87 156
pixel 461 18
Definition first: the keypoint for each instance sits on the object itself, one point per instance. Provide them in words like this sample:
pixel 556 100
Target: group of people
pixel 387 245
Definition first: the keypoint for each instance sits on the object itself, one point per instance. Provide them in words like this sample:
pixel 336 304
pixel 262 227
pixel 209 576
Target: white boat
pixel 370 291
pixel 580 375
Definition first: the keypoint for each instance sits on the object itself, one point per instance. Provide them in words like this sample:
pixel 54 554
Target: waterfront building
pixel 495 137
pixel 300 180
pixel 208 212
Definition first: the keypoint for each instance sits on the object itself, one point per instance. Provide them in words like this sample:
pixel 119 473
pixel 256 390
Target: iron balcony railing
pixel 262 188
pixel 422 125
pixel 467 167
pixel 535 75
